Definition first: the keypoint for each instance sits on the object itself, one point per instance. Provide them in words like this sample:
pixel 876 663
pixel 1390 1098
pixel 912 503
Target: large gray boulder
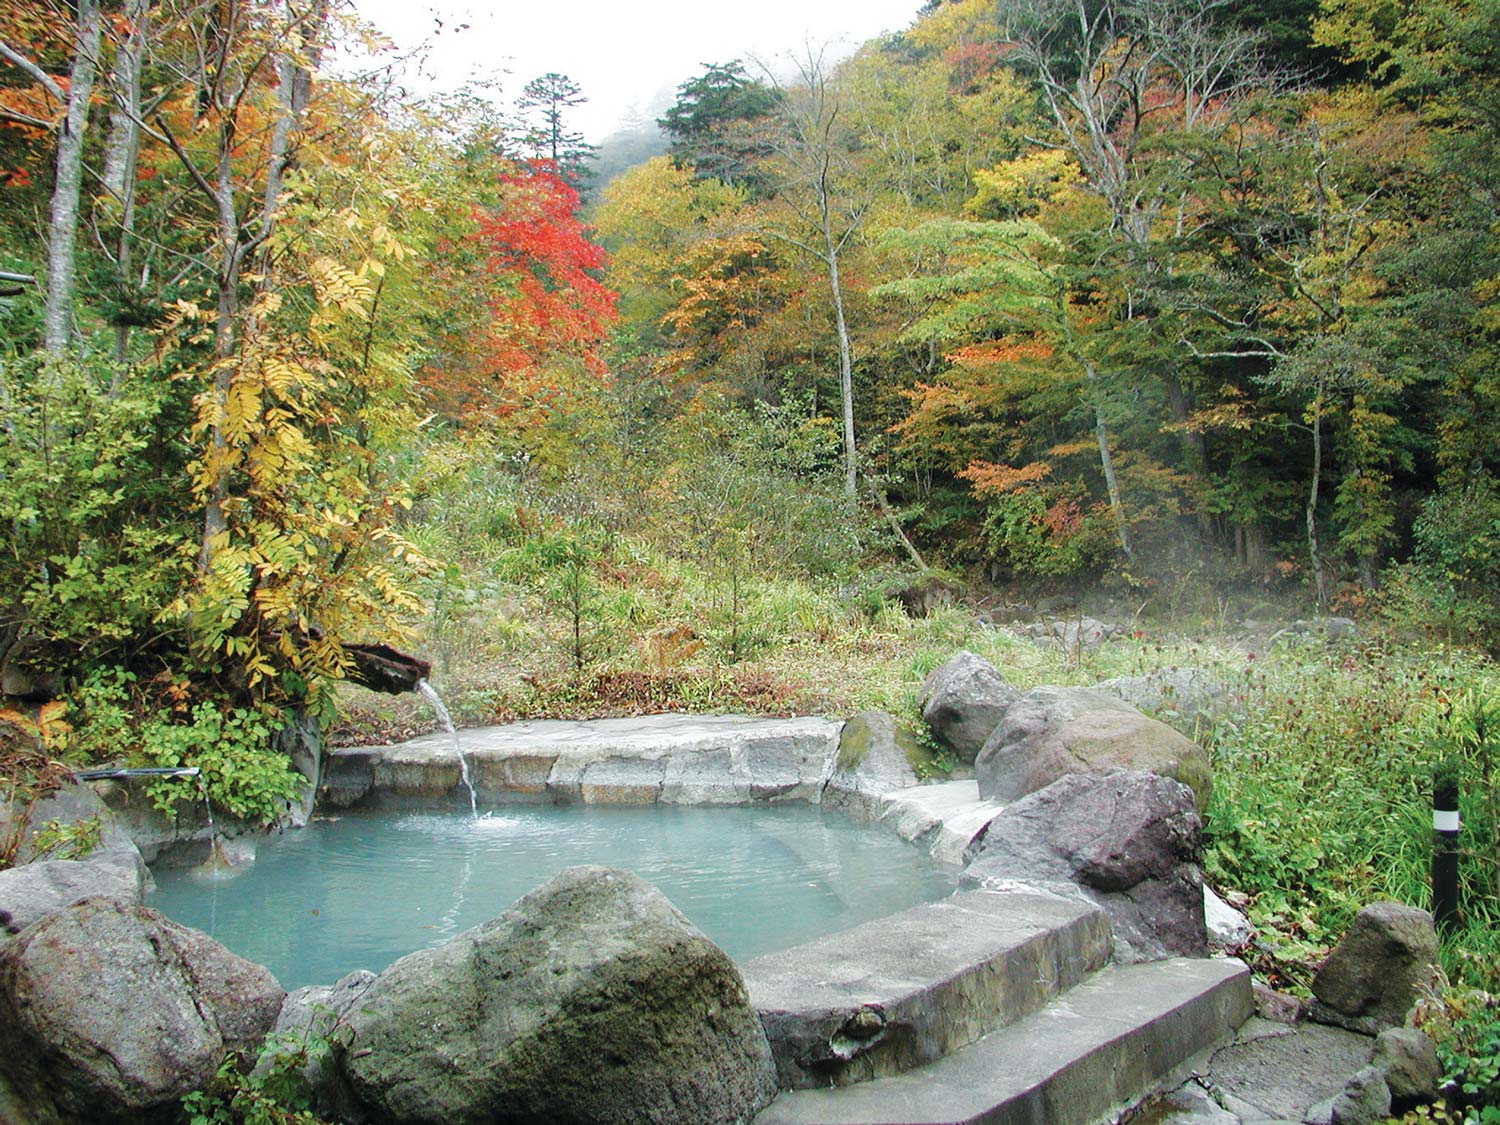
pixel 874 758
pixel 590 1000
pixel 1053 731
pixel 30 893
pixel 963 702
pixel 1129 842
pixel 1385 964
pixel 113 1013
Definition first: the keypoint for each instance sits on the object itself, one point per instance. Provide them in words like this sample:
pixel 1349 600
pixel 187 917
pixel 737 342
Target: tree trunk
pixel 1312 503
pixel 122 148
pixel 1107 465
pixel 896 530
pixel 62 225
pixel 1194 448
pixel 846 359
pixel 227 312
pixel 293 89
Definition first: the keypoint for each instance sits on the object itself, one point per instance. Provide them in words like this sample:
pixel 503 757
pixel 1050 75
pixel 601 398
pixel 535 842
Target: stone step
pixel 902 991
pixel 1087 1055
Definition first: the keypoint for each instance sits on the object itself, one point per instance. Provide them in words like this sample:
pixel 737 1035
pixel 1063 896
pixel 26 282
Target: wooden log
pixel 385 669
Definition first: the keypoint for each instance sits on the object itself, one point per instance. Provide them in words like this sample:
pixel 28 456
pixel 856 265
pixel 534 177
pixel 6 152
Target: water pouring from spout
pixel 427 693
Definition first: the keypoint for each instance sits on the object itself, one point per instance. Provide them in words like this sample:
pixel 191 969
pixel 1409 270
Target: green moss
pixel 925 759
pixel 855 741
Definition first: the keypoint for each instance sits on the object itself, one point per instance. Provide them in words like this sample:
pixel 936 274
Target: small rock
pixel 923 595
pixel 24 672
pixel 1410 1064
pixel 1056 603
pixel 1228 929
pixel 1320 1113
pixel 1365 1100
pixel 1384 965
pixel 1279 1007
pixel 1083 633
pixel 1340 628
pixel 1189 1105
pixel 235 851
pixel 963 702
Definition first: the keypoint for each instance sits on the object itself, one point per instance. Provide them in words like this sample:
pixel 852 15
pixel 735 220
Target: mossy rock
pixel 865 730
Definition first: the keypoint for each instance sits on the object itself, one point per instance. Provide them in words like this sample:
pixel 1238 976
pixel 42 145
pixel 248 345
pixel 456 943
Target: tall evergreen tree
pixel 711 123
pixel 544 104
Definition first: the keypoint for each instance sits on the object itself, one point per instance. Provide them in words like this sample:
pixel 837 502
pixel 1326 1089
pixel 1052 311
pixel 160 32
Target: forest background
pixel 1183 309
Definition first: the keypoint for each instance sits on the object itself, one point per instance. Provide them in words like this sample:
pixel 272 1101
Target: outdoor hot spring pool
pixel 361 890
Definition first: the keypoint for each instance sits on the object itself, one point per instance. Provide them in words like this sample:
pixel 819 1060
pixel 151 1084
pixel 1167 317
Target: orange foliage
pixel 26 106
pixel 1063 518
pixel 990 479
pixel 969 63
pixel 995 353
pixel 1073 448
pixel 544 305
pixel 723 285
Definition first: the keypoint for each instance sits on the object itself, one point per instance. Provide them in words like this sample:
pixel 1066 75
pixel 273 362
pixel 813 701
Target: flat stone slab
pixel 945 816
pixel 1280 1072
pixel 1100 1047
pixel 672 759
pixel 905 990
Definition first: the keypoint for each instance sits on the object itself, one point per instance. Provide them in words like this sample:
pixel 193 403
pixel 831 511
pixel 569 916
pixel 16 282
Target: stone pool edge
pixel 660 759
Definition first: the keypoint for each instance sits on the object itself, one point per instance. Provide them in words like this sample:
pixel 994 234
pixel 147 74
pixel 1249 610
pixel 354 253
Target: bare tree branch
pixel 46 80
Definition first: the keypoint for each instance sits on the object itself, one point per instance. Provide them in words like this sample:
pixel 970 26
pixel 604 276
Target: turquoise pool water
pixel 361 890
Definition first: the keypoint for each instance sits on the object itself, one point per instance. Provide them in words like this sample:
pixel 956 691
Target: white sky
pixel 627 55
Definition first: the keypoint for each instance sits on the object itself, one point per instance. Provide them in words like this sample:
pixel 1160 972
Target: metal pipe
pixel 141 771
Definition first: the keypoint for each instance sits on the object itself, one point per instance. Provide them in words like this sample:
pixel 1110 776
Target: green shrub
pixel 1451 587
pixel 71 840
pixel 1466 1028
pixel 278 1097
pixel 91 506
pixel 1047 533
pixel 241 772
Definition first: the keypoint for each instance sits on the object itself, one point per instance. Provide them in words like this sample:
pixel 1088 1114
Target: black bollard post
pixel 1445 826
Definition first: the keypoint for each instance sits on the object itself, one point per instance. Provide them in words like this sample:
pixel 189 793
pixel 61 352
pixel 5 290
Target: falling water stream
pixel 427 693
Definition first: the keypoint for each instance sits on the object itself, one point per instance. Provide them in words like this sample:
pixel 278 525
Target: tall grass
pixel 1323 794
